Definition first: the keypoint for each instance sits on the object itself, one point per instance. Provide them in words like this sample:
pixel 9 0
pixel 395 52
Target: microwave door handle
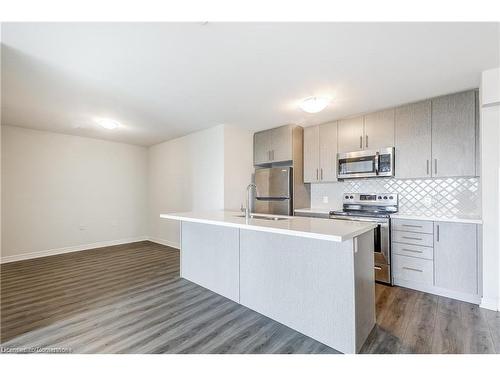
pixel 376 163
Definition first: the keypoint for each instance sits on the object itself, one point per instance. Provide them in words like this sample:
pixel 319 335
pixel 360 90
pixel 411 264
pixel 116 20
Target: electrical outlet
pixel 325 199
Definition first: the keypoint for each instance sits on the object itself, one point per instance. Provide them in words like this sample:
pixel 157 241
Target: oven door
pixel 357 164
pixel 381 245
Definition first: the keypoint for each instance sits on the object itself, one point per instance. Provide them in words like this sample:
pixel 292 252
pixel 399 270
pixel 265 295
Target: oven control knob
pixel 385 197
pixel 351 197
pixel 391 197
pixel 346 197
pixel 379 197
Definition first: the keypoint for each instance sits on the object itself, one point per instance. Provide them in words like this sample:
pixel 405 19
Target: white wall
pixel 490 186
pixel 238 166
pixel 61 191
pixel 185 174
pixel 206 170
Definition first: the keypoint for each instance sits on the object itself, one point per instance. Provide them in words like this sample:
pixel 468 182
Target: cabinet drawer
pixel 413 269
pixel 422 239
pixel 416 251
pixel 418 226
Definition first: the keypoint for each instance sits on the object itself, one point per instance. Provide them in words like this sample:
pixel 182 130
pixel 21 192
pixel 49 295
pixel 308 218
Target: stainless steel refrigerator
pixel 274 191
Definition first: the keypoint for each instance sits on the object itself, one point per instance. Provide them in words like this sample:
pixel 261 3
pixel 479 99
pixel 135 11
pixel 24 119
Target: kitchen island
pixel 313 275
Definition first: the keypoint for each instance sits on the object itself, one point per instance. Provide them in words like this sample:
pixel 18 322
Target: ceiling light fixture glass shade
pixel 314 104
pixel 107 123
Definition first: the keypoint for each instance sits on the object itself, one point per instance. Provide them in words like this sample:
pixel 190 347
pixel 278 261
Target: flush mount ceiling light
pixel 107 123
pixel 314 104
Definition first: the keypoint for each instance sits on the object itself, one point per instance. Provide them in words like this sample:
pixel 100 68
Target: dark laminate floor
pixel 130 299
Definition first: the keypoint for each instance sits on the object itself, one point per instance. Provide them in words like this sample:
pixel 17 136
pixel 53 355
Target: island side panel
pixel 210 257
pixel 364 281
pixel 304 283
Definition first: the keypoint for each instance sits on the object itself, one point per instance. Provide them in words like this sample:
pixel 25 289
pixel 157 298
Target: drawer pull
pixel 410 225
pixel 377 268
pixel 413 251
pixel 412 269
pixel 412 238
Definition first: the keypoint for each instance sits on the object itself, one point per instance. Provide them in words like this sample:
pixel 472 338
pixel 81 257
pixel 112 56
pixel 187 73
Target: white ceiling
pixel 164 80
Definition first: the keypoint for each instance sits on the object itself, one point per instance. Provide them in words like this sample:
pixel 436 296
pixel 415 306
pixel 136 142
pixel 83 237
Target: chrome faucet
pixel 249 189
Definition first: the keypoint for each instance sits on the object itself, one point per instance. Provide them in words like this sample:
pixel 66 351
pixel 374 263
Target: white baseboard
pixel 471 298
pixel 490 304
pixel 95 245
pixel 70 249
pixel 161 241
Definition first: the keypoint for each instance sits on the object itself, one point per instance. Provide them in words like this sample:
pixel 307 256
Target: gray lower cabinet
pixel 412 140
pixel 436 257
pixel 454 135
pixel 455 257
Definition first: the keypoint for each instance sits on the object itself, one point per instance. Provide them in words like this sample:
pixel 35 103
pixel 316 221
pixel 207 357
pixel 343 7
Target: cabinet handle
pixel 437 232
pixel 360 141
pixel 411 225
pixel 366 141
pixel 435 167
pixel 273 155
pixel 317 174
pixel 427 167
pixel 412 238
pixel 377 268
pixel 412 269
pixel 321 174
pixel 412 251
pixel 269 155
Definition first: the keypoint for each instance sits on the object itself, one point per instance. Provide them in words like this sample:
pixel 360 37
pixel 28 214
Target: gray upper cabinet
pixel 455 257
pixel 379 130
pixel 412 140
pixel 311 154
pixel 320 153
pixel 273 145
pixel 281 143
pixel 454 135
pixel 328 151
pixel 261 147
pixel 350 134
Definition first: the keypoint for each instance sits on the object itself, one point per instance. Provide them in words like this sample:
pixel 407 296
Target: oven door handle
pixel 379 221
pixel 377 159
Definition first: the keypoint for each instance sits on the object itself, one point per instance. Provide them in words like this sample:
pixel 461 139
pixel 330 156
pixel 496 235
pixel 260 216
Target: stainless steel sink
pixel 272 218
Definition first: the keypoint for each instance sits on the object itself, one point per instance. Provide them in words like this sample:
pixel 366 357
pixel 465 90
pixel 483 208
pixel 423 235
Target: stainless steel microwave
pixel 367 163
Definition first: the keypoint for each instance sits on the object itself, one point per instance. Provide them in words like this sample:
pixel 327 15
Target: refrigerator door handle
pixel 272 198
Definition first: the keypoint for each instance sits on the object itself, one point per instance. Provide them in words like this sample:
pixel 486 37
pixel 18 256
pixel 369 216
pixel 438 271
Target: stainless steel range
pixel 373 208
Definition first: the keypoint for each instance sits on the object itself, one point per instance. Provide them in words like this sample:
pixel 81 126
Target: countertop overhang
pixel 308 227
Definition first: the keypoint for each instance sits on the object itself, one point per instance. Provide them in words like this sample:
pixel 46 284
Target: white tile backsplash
pixel 447 197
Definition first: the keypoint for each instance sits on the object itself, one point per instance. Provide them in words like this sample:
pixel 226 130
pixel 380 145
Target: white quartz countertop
pixel 321 229
pixel 430 216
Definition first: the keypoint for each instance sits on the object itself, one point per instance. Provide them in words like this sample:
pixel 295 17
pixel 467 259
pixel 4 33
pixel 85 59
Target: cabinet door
pixel 328 152
pixel 350 134
pixel 454 135
pixel 311 154
pixel 261 147
pixel 412 140
pixel 379 130
pixel 281 143
pixel 455 257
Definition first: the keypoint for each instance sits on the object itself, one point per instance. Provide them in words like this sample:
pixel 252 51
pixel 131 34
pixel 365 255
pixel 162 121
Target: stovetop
pixel 362 213
pixel 368 205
